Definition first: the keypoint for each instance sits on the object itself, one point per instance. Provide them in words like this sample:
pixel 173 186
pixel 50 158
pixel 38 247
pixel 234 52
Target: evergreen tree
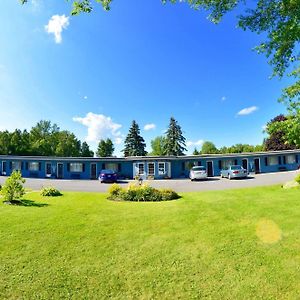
pixel 196 152
pixel 175 141
pixel 105 148
pixel 134 142
pixel 85 150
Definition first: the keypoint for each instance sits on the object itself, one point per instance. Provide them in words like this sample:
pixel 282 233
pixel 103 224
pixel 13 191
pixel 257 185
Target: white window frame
pixel 159 169
pixel 226 163
pixel 76 167
pixel 33 163
pixel 3 171
pixel 151 163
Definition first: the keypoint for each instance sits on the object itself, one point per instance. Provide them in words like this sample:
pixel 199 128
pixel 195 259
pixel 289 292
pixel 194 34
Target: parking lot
pixel 179 185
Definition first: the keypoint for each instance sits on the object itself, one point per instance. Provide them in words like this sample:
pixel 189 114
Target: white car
pixel 236 171
pixel 197 173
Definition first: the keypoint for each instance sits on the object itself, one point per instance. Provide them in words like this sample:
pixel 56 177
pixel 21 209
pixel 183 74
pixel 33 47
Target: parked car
pixel 108 176
pixel 235 171
pixel 198 172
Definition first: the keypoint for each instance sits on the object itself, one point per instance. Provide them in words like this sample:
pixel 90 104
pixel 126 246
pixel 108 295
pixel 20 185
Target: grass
pixel 236 244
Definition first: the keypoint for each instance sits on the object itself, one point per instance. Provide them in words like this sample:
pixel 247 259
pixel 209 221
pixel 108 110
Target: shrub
pixel 140 193
pixel 50 192
pixel 168 194
pixel 13 187
pixel 115 190
pixel 297 179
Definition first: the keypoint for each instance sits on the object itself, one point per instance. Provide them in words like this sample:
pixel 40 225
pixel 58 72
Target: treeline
pixel 44 139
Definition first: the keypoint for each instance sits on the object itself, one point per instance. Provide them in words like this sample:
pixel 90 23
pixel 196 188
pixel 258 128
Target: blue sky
pixel 139 61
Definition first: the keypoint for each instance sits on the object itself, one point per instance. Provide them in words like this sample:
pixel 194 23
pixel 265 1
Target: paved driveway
pixel 179 185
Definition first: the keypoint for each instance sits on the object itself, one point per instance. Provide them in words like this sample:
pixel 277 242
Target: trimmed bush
pixel 297 178
pixel 50 192
pixel 143 193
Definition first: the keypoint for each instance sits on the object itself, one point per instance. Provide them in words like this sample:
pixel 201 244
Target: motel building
pixel 147 167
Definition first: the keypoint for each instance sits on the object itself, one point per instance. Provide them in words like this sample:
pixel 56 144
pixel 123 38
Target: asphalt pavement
pixel 179 185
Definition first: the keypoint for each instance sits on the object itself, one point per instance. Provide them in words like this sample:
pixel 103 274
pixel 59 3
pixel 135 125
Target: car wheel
pixel 229 177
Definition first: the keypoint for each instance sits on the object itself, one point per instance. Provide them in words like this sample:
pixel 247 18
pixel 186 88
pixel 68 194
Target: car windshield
pixel 236 167
pixel 107 172
pixel 198 168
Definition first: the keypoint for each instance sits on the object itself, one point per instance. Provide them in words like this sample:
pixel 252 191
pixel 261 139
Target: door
pixel 245 164
pixel 93 171
pixel 209 169
pixel 256 165
pixel 4 168
pixel 48 170
pixel 60 171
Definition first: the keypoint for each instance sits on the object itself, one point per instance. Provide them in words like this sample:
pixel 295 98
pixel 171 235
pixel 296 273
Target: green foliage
pixel 13 187
pixel 45 139
pixel 209 148
pixel 85 150
pixel 50 192
pixel 196 152
pixel 158 145
pixel 134 142
pixel 141 193
pixel 105 148
pixel 175 141
pixel 297 178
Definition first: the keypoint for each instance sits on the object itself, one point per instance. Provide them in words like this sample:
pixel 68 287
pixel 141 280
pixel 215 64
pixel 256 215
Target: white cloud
pixel 223 98
pixel 85 97
pixel 247 111
pixel 197 143
pixel 264 127
pixel 149 126
pixel 100 127
pixel 56 25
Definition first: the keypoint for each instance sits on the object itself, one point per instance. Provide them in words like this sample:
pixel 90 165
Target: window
pixel 76 167
pixel 161 168
pixel 151 169
pixel 291 159
pixel 16 165
pixel 141 169
pixel 273 160
pixel 112 166
pixel 226 163
pixel 33 166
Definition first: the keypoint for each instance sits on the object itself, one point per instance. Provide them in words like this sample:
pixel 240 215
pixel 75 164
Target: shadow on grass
pixel 27 203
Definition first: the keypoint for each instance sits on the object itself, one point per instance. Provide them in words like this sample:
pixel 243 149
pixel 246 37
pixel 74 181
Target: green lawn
pixel 236 244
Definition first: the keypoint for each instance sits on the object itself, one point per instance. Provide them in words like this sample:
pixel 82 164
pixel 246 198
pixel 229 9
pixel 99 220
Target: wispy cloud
pixel 56 25
pixel 100 127
pixel 223 99
pixel 196 143
pixel 247 111
pixel 85 97
pixel 149 126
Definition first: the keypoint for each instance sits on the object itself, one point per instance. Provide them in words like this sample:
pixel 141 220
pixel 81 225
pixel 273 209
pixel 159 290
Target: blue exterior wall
pixel 176 167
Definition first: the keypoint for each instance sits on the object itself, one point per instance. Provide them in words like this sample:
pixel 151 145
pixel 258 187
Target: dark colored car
pixel 108 176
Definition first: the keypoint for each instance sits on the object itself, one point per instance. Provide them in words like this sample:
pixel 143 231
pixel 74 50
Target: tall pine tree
pixel 175 141
pixel 134 142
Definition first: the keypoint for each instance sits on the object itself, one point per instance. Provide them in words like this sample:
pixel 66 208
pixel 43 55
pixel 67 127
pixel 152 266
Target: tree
pixel 105 148
pixel 134 143
pixel 196 152
pixel 67 144
pixel 175 141
pixel 209 148
pixel 284 132
pixel 85 150
pixel 13 187
pixel 157 146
